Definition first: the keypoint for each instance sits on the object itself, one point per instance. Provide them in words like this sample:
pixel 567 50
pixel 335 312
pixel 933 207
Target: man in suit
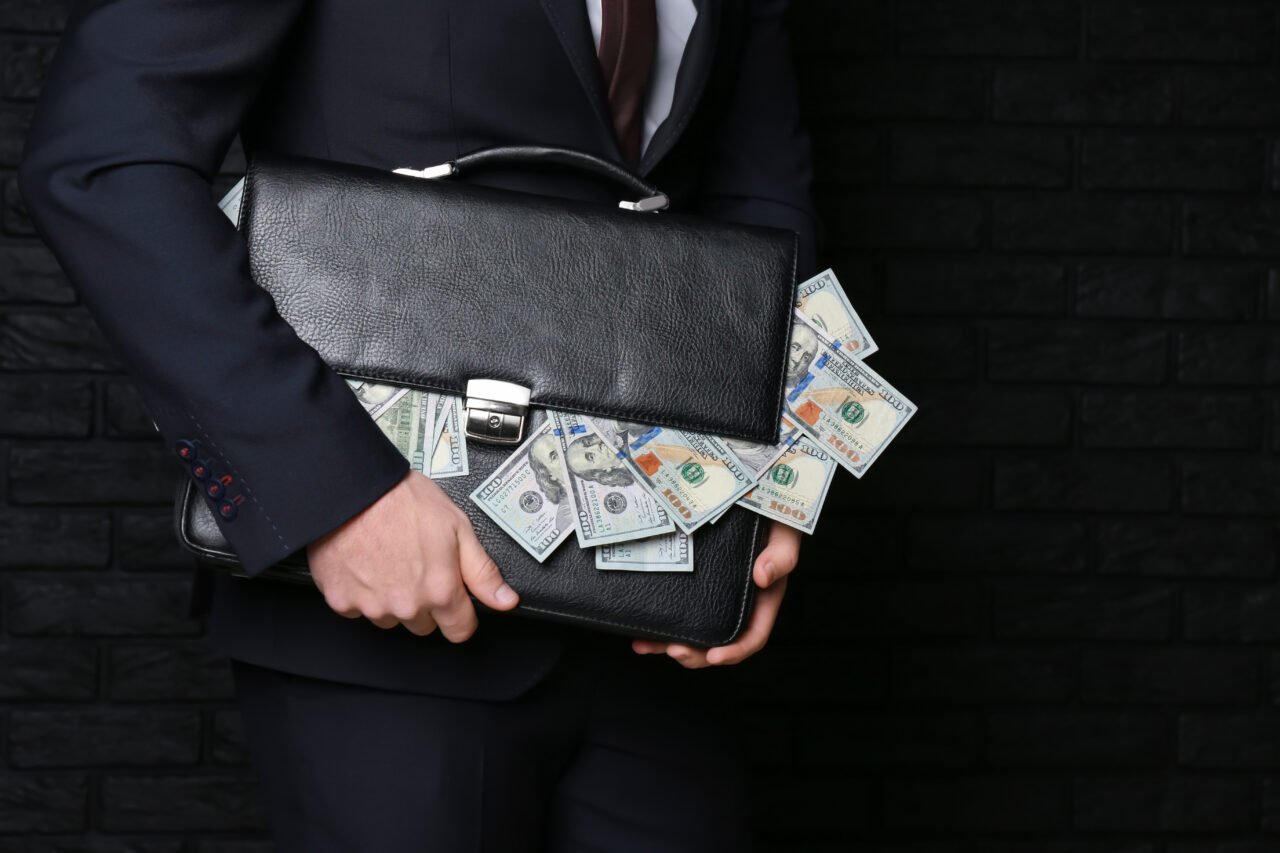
pixel 402 726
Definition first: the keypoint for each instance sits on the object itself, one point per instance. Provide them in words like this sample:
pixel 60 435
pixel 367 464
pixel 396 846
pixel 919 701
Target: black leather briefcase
pixel 631 312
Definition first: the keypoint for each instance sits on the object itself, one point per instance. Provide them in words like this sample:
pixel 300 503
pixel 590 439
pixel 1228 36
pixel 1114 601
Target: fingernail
pixel 506 595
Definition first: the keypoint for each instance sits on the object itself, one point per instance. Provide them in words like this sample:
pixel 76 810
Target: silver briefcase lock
pixel 496 411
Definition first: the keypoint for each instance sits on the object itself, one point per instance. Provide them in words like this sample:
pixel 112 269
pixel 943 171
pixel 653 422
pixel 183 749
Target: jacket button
pixel 227 510
pixel 214 489
pixel 186 450
pixel 200 470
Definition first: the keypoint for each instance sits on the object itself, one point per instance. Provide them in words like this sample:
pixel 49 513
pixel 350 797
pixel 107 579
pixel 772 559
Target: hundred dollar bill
pixel 757 457
pixel 693 474
pixel 610 504
pixel 376 397
pixel 407 422
pixel 823 302
pixel 449 458
pixel 230 203
pixel 670 552
pixel 793 489
pixel 527 496
pixel 849 408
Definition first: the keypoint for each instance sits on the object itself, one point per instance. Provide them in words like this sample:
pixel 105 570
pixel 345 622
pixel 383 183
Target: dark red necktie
pixel 628 41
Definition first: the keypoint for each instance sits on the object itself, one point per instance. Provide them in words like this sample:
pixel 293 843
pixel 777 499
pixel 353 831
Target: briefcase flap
pixel 662 318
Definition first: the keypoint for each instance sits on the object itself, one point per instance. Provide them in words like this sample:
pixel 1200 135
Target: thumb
pixel 480 573
pixel 779 556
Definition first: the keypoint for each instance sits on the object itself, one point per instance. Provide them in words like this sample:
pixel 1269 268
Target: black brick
pixel 48 539
pixel 1238 226
pixel 81 473
pixel 996 545
pixel 982 158
pixel 1004 28
pixel 943 608
pixel 25 63
pixel 48 669
pixel 1100 610
pixel 1170 419
pixel 1231 98
pixel 1174 803
pixel 1231 486
pixel 45 407
pixel 839 90
pixel 1078 739
pixel 227 735
pixel 1076 353
pixel 793 805
pixel 103 737
pixel 1229 740
pixel 1042 222
pixel 145 541
pixel 1008 418
pixel 1182 547
pixel 919 482
pixel 830 27
pixel 1153 160
pixel 1168 676
pixel 1227 356
pixel 929 351
pixel 1092 483
pixel 1251 614
pixel 66 340
pixel 879 221
pixel 982 803
pixel 180 803
pixel 167 671
pixel 851 156
pixel 898 739
pixel 53 803
pixel 1223 31
pixel 1066 95
pixel 110 607
pixel 125 415
pixel 1183 292
pixel 944 675
pixel 975 287
pixel 781 677
pixel 30 274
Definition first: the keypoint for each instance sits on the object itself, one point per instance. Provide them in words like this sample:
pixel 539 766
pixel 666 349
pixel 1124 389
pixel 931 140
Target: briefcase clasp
pixel 496 411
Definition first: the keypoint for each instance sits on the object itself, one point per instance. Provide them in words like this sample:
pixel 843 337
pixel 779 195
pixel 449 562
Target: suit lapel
pixel 569 20
pixel 691 79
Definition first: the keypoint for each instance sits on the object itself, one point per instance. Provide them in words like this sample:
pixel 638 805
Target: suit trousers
pixel 611 751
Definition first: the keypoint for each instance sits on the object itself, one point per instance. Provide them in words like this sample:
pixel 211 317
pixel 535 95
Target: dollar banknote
pixel 670 552
pixel 694 475
pixel 823 302
pixel 230 203
pixel 449 458
pixel 407 423
pixel 610 504
pixel 848 407
pixel 526 496
pixel 376 397
pixel 757 457
pixel 794 487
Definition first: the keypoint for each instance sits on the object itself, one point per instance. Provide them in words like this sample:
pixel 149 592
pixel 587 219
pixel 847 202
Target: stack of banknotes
pixel 636 492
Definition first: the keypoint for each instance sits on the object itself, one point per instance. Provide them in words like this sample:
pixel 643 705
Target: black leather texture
pixel 667 319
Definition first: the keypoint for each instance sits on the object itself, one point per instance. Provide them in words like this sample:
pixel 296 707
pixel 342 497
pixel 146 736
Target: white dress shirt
pixel 675 20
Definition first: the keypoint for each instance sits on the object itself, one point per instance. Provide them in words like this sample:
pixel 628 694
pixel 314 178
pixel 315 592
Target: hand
pixel 775 562
pixel 409 559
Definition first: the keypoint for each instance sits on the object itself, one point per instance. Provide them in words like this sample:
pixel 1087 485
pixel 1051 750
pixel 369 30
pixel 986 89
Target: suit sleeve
pixel 760 168
pixel 140 104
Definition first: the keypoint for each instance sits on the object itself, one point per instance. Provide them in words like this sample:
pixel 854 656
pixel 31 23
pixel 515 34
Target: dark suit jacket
pixel 142 101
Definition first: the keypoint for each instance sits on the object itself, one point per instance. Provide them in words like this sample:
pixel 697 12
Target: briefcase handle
pixel 544 156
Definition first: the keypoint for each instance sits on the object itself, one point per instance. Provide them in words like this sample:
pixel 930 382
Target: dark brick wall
pixel 1046 622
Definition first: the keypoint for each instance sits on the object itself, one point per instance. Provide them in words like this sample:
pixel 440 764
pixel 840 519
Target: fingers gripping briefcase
pixel 659 318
